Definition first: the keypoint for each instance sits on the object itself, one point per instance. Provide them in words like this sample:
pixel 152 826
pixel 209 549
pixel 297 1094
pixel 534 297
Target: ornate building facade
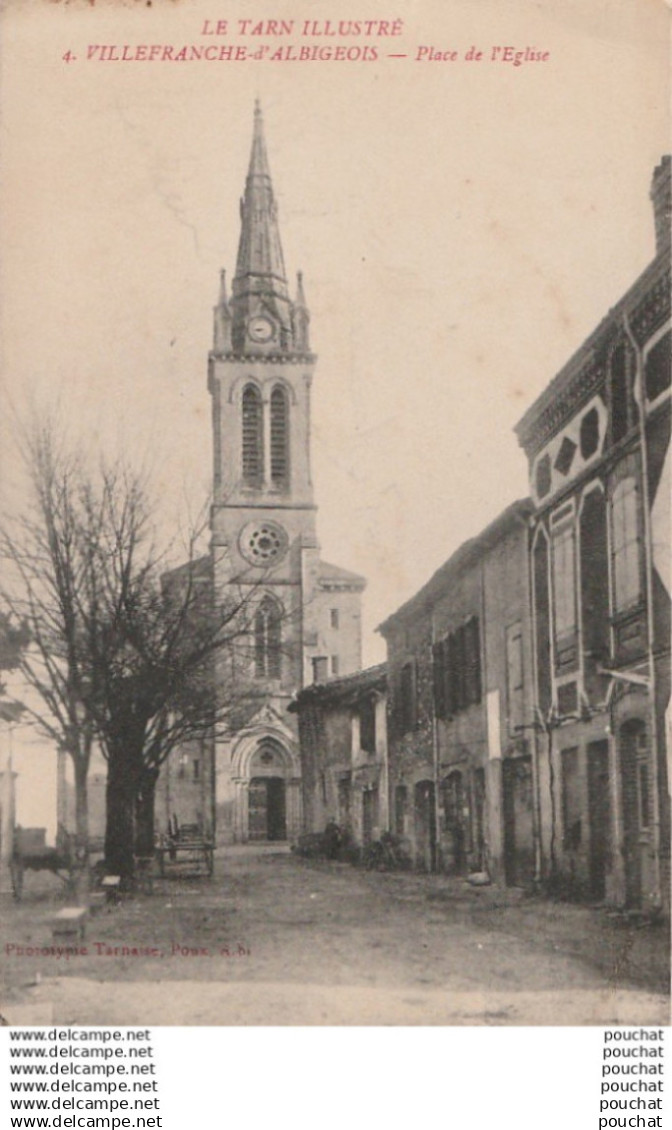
pixel 597 442
pixel 303 613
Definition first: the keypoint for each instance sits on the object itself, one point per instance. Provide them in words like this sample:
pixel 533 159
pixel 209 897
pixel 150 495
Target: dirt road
pixel 277 940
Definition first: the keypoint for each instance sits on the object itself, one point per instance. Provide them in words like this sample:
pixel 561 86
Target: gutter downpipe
pixel 483 634
pixel 530 635
pixel 648 556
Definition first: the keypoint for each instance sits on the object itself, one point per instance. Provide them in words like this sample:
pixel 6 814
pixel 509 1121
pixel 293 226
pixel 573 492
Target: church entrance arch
pixel 268 784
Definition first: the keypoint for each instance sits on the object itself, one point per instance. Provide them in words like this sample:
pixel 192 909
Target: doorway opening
pixel 425 825
pixel 518 821
pixel 635 805
pixel 267 809
pixel 599 818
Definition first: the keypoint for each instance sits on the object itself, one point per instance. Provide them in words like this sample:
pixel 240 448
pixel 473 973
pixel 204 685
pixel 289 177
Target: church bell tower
pixel 302 616
pixel 264 541
pixel 260 374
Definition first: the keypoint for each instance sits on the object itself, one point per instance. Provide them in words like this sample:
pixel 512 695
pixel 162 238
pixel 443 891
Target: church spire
pixel 259 285
pixel 261 310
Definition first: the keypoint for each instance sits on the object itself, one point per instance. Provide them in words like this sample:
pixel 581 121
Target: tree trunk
pixel 144 812
pixel 80 849
pixel 122 787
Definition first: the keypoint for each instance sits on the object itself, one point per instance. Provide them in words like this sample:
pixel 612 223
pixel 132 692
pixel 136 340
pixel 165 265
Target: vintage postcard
pixel 335 598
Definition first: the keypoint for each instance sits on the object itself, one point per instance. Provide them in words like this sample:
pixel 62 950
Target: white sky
pixel 461 228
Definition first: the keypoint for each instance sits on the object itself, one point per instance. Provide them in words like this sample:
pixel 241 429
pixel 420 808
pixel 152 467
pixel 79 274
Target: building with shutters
pixel 597 443
pixel 460 699
pixel 246 784
pixel 343 741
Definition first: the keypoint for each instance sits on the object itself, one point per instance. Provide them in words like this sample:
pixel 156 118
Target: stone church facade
pixel 304 615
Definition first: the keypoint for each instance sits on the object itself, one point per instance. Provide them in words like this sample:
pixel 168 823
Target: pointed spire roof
pixel 260 266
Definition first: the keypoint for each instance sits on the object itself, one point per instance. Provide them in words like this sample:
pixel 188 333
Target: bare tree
pixel 124 651
pixel 155 686
pixel 43 554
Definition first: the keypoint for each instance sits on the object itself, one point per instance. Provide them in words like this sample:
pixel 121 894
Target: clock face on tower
pixel 263 543
pixel 260 329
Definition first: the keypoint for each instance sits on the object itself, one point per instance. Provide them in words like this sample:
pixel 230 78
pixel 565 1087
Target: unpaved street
pixel 278 940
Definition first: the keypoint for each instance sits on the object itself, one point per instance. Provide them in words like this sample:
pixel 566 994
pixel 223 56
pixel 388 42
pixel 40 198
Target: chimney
pixel 320 668
pixel 662 204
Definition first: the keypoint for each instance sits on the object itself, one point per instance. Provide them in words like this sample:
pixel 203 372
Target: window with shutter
pixel 514 676
pixel 407 707
pixel 564 581
pixel 367 725
pixel 626 546
pixel 439 674
pixel 542 624
pixel 472 663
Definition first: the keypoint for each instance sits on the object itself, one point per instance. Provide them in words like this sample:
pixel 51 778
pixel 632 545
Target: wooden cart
pixel 187 853
pixel 31 853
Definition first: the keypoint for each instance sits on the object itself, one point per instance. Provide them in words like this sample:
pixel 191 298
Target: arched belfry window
pixel 267 640
pixel 279 437
pixel 253 437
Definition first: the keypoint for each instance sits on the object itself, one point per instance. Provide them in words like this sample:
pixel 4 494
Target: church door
pixel 276 822
pixel 267 809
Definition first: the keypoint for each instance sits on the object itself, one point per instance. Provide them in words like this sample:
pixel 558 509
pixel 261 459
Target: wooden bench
pixel 70 922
